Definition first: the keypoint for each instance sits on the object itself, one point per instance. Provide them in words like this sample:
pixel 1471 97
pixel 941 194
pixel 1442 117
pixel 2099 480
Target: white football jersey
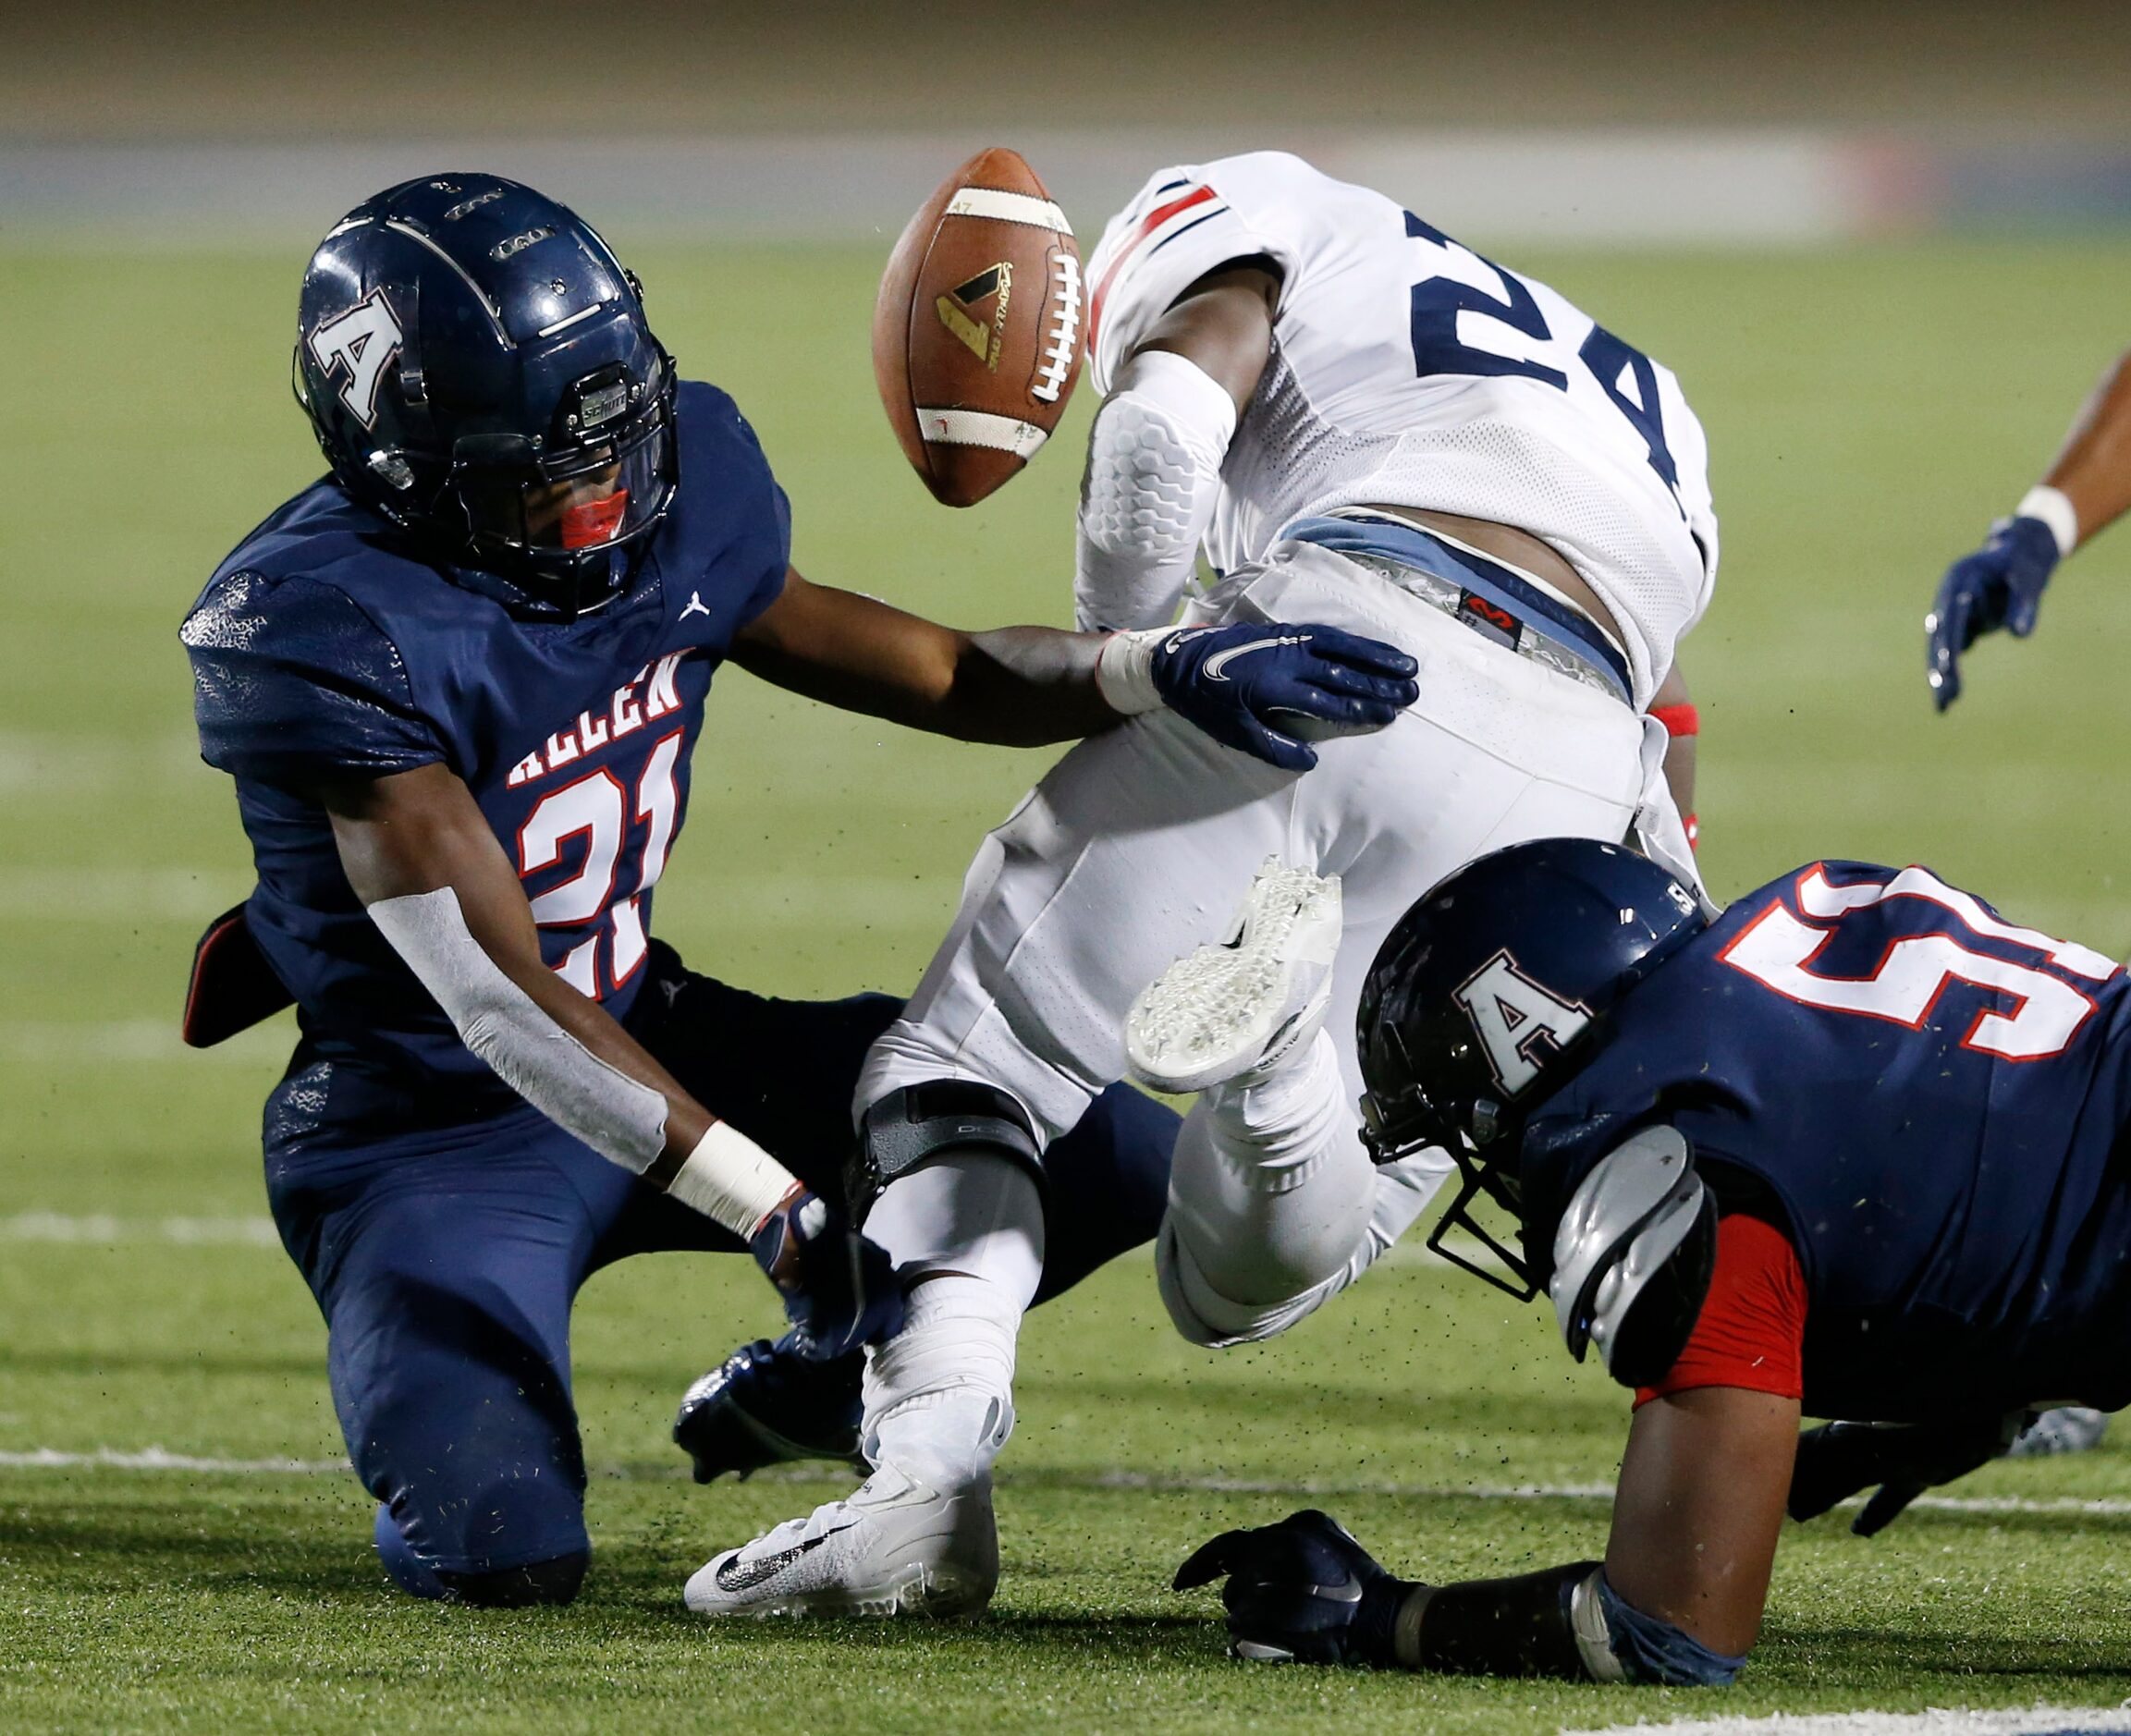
pixel 1407 370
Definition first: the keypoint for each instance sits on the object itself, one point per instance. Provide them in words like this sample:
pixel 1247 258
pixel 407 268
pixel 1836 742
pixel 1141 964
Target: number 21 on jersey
pixel 2040 1015
pixel 597 810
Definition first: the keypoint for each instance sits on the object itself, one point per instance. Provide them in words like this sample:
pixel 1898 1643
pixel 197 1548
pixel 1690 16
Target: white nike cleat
pixel 1243 1005
pixel 894 1547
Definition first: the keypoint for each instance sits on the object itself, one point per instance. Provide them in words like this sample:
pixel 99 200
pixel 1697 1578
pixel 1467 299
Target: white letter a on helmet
pixel 1510 1013
pixel 363 340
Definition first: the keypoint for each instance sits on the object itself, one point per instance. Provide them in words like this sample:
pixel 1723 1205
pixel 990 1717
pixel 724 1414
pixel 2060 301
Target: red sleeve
pixel 1751 1332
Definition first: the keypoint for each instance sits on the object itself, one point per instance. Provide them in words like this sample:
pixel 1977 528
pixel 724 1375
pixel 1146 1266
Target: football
pixel 976 334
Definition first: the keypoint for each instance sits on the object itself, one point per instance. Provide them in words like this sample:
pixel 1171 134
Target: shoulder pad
pixel 1638 1208
pixel 293 678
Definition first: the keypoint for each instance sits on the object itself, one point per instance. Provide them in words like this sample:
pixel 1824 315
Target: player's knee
pixel 914 1127
pixel 520 1585
pixel 506 1545
pixel 1261 1237
pixel 553 1582
pixel 1202 1316
pixel 406 1569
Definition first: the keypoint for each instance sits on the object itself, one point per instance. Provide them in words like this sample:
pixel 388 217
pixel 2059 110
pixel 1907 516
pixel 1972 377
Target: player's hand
pixel 1837 1460
pixel 840 1289
pixel 1999 585
pixel 1270 688
pixel 1302 1591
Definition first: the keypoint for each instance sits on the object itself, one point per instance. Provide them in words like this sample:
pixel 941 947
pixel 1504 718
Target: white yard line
pixel 2098 1507
pixel 120 893
pixel 58 1044
pixel 102 1230
pixel 160 1459
pixel 2039 1721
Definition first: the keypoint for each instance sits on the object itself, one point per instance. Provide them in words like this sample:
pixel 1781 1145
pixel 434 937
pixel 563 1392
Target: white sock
pixel 939 1394
pixel 1276 1131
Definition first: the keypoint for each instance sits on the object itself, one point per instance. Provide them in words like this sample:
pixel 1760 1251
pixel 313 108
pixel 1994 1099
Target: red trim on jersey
pixel 1679 720
pixel 1751 1332
pixel 1148 225
pixel 1694 825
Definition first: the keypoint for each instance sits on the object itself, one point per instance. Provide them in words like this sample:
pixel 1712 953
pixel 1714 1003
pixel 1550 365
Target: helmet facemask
pixel 552 513
pixel 1399 1120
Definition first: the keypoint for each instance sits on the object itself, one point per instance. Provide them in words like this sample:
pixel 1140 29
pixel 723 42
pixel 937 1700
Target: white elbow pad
pixel 1153 473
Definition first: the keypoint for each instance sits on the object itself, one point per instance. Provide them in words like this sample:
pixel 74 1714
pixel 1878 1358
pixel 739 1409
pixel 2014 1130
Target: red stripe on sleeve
pixel 1751 1332
pixel 1148 225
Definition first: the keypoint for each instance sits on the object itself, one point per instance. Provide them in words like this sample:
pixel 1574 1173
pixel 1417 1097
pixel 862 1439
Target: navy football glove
pixel 1271 687
pixel 765 1405
pixel 1837 1460
pixel 840 1289
pixel 1302 1591
pixel 1999 585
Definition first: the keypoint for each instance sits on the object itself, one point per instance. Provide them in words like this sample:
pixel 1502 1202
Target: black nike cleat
pixel 766 1405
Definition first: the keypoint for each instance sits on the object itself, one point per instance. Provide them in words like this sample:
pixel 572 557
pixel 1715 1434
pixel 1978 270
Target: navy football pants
pixel 446 1264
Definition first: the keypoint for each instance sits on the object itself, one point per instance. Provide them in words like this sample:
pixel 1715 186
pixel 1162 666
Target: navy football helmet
pixel 476 364
pixel 1491 993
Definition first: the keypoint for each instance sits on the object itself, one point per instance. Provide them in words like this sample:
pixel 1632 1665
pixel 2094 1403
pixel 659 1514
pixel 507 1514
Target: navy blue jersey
pixel 1937 1100
pixel 326 649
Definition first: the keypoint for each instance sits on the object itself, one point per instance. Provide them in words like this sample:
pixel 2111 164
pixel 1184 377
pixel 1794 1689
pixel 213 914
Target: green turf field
pixel 1868 412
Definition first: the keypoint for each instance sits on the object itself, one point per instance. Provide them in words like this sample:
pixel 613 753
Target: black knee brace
pixel 554 1581
pixel 913 1126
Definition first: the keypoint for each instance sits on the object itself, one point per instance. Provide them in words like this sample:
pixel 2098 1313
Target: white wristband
pixel 1125 670
pixel 2050 506
pixel 727 1177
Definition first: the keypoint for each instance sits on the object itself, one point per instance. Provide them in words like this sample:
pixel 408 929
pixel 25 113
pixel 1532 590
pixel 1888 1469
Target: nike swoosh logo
pixel 1221 660
pixel 737 1575
pixel 1350 1593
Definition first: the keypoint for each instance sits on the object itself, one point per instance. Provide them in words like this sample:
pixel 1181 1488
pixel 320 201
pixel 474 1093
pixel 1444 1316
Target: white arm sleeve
pixel 1153 473
pixel 726 1177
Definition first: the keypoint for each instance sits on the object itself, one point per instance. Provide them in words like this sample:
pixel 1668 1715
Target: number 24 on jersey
pixel 1461 283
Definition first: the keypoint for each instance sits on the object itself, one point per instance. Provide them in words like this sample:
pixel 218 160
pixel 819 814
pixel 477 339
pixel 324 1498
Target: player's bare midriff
pixel 1514 548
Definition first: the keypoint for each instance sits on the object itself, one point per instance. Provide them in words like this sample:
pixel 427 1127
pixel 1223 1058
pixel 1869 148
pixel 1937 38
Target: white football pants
pixel 1139 846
